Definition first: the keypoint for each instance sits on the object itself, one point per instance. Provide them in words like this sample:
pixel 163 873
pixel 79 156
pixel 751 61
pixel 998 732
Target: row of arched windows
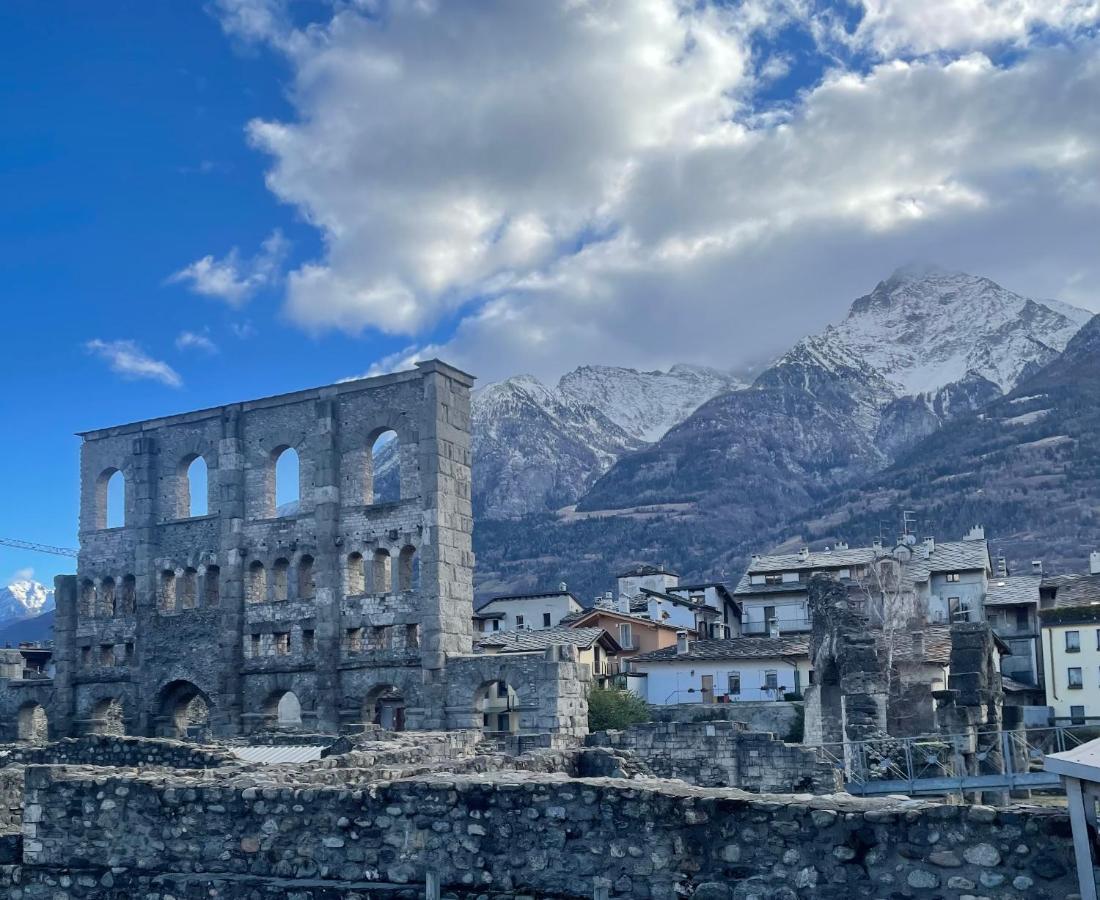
pixel 378 576
pixel 107 598
pixel 259 588
pixel 193 486
pixel 187 588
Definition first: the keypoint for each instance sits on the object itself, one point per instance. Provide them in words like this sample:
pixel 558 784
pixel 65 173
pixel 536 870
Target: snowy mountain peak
pixel 23 599
pixel 927 328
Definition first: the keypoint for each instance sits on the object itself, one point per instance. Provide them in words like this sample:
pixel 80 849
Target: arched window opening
pixel 108 718
pixel 385 706
pixel 305 578
pixel 386 468
pixel 87 599
pixel 380 583
pixel 356 575
pixel 111 499
pixel 187 589
pixel 194 482
pixel 211 586
pixel 280 580
pixel 408 569
pixel 286 710
pixel 288 482
pixel 257 583
pixel 129 596
pixel 33 724
pixel 107 598
pixel 498 704
pixel 167 591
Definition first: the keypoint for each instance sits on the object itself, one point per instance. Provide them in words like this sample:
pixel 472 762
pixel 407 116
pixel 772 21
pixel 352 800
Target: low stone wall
pixel 109 750
pixel 782 718
pixel 723 754
pixel 96 834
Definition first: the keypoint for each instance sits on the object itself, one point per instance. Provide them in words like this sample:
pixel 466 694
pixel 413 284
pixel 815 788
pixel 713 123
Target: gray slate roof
pixel 733 648
pixel 531 639
pixel 1013 590
pixel 1074 591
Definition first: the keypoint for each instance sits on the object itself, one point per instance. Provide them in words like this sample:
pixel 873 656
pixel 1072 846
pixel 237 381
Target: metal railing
pixel 936 764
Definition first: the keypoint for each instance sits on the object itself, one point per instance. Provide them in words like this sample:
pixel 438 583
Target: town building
pixel 725 671
pixel 543 609
pixel 1012 610
pixel 596 648
pixel 1069 617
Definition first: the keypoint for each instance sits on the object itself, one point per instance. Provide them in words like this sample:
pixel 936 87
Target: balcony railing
pixel 785 626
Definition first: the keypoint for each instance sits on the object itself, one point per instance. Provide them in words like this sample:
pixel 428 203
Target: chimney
pixel 804 553
pixel 773 627
pixel 841 545
pixel 977 533
pixel 683 645
pixel 1002 566
pixel 876 544
pixel 624 605
pixel 1036 567
pixel 929 547
pixel 1094 563
pixel 563 587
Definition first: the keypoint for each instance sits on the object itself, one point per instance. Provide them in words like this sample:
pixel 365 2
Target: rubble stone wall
pixel 94 834
pixel 109 750
pixel 779 717
pixel 722 754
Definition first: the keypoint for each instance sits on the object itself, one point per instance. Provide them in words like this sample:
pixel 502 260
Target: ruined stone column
pixel 141 517
pixel 63 709
pixel 226 717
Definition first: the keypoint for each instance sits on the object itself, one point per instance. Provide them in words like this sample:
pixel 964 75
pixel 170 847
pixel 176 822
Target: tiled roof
pixel 629 617
pixel 505 598
pixel 949 556
pixel 1013 590
pixel 530 639
pixel 937 645
pixel 733 648
pixel 1073 591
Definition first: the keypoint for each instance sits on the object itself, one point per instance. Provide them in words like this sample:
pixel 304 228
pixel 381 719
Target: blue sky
pixel 205 202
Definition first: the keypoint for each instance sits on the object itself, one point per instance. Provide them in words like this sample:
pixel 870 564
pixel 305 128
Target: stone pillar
pixel 447 558
pixel 63 709
pixel 141 520
pixel 230 494
pixel 327 574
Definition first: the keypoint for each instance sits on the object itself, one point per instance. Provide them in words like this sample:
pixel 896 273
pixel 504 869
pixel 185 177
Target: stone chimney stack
pixel 683 645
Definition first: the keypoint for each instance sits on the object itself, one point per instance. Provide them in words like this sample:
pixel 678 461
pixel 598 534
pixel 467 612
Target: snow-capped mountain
pixel 24 599
pixel 538 448
pixel 924 328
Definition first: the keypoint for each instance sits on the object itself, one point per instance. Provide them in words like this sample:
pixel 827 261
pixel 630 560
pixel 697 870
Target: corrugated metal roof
pixel 268 755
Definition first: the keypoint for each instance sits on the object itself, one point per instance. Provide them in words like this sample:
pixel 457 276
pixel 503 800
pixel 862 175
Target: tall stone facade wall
pixel 241 607
pixel 104 834
pixel 723 754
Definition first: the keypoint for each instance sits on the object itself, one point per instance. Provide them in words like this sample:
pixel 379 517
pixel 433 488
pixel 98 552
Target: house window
pixel 626 635
pixel 496 624
pixel 502 689
pixel 1073 676
pixel 844 573
pixel 756 579
pixel 1077 715
pixel 960 609
pixel 546 620
pixel 769 614
pixel 771 680
pixel 777 578
pixel 734 684
pixel 1098 638
pixel 1073 642
pixel 953 577
pixel 519 621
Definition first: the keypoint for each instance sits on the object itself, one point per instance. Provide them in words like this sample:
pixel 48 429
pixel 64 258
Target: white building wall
pixel 632 585
pixel 681 681
pixel 791 612
pixel 971 587
pixel 1058 661
pixel 532 611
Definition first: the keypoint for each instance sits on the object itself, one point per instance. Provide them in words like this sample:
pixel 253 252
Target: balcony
pixel 785 626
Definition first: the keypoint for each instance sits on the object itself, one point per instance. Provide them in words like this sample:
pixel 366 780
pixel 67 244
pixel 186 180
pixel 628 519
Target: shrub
pixel 609 708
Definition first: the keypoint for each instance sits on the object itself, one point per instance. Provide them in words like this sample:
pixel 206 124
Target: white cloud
pixel 191 340
pixel 591 181
pixel 232 278
pixel 131 362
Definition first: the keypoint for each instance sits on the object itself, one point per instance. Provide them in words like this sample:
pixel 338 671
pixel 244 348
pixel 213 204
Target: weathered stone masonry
pixel 547 835
pixel 241 607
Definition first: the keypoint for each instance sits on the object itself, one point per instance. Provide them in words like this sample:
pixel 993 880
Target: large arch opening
pixel 110 508
pixel 194 487
pixel 381 572
pixel 129 595
pixel 33 724
pixel 355 581
pixel 280 579
pixel 257 583
pixel 283 709
pixel 385 468
pixel 288 481
pixel 184 712
pixel 498 704
pixel 306 585
pixel 109 717
pixel 385 706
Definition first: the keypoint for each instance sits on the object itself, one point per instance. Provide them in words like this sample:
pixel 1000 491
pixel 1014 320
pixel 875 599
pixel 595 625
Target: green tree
pixel 614 709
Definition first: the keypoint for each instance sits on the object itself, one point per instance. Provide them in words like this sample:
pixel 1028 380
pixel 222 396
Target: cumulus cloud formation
pixel 127 359
pixel 190 340
pixel 585 181
pixel 232 278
